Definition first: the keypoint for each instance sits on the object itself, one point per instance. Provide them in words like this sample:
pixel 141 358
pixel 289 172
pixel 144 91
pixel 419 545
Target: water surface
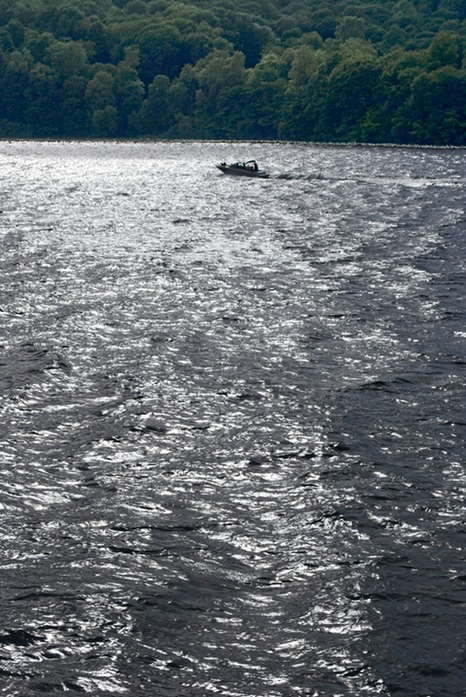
pixel 232 421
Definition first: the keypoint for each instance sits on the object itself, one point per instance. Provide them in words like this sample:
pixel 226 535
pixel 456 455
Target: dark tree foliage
pixel 321 70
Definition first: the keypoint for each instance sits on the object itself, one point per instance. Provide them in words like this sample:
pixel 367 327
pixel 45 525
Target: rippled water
pixel 232 421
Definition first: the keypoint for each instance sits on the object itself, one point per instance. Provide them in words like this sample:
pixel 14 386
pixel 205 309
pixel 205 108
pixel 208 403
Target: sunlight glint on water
pixel 232 440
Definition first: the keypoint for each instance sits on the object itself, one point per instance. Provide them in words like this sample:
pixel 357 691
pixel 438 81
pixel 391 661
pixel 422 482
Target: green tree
pixel 14 83
pixel 350 27
pixel 160 48
pixel 305 64
pixel 445 49
pixel 247 36
pixel 66 58
pixel 6 42
pixel 306 69
pixel 266 85
pixel 99 92
pixel 129 90
pixel 97 34
pixel 301 105
pixel 42 96
pixel 136 7
pixel 436 110
pixel 353 88
pixel 105 121
pixel 183 92
pixel 74 112
pixel 217 75
pixel 156 114
pixel 66 21
pixel 17 32
pixel 38 44
pixel 324 22
pixel 219 70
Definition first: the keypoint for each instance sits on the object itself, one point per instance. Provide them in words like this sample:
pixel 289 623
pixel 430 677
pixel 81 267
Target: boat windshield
pixel 250 164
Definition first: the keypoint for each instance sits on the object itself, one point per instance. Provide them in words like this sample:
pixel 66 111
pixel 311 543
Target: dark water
pixel 232 421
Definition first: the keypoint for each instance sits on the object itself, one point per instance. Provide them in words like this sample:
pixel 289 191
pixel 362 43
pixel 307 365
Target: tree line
pixel 368 71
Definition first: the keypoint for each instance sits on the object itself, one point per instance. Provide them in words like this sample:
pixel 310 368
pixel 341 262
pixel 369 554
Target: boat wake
pixel 301 177
pixel 409 181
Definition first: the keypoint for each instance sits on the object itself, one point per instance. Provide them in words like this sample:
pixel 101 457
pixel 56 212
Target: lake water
pixel 232 422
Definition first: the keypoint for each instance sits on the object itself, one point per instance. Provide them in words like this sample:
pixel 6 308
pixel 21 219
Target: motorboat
pixel 243 169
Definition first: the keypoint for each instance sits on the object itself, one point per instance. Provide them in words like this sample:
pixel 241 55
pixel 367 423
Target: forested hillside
pixel 314 70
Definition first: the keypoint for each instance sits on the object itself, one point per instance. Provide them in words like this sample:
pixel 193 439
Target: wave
pixel 410 181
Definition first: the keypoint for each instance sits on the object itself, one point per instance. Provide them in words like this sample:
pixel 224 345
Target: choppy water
pixel 232 427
